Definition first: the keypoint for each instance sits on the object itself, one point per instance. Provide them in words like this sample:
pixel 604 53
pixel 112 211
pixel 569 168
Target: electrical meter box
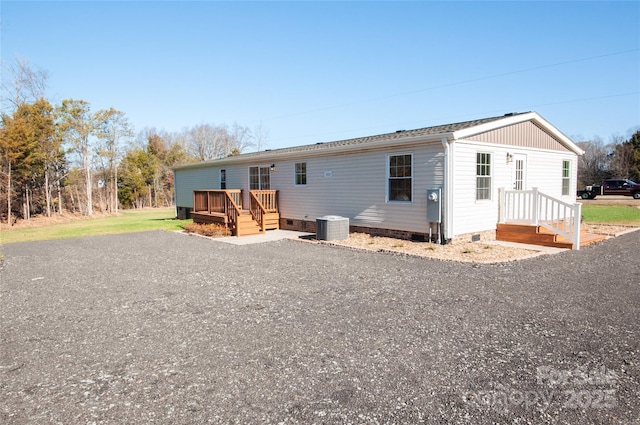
pixel 434 205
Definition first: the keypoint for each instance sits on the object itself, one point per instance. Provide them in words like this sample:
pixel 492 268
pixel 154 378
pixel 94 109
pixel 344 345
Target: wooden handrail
pixel 232 210
pixel 262 202
pixel 257 209
pixel 268 199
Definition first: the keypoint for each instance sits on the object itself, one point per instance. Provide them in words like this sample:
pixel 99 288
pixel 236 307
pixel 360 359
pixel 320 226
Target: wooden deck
pixel 538 235
pixel 224 207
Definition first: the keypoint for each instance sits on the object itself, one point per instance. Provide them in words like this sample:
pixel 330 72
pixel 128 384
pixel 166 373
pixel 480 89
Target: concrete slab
pixel 269 236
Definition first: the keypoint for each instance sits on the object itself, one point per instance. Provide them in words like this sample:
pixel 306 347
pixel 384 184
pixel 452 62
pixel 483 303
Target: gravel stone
pixel 161 327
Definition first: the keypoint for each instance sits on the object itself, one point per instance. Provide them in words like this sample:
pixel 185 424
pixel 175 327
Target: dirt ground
pixel 474 252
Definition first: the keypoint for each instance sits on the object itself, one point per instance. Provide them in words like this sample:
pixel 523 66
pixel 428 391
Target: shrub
pixel 211 230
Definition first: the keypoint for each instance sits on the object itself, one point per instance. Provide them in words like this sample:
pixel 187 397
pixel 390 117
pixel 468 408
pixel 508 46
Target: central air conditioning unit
pixel 332 227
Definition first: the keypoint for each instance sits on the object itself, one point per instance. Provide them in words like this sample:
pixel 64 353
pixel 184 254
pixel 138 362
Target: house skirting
pixel 486 235
pixel 310 226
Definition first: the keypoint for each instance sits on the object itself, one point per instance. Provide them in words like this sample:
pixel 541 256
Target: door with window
pixel 259 178
pixel 519 174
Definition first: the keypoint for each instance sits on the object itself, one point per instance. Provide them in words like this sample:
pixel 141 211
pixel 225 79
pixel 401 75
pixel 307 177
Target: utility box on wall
pixel 332 227
pixel 434 205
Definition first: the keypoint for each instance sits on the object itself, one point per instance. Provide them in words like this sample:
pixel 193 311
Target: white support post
pixel 501 205
pixel 577 218
pixel 534 206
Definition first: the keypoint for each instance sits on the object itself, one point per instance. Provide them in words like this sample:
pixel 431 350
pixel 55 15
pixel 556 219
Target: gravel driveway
pixel 174 329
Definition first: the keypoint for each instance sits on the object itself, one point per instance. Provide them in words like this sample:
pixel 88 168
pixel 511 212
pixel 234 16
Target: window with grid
pixel 400 177
pixel 259 178
pixel 566 178
pixel 301 174
pixel 483 176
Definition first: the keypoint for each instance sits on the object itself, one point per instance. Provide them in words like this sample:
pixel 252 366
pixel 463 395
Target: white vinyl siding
pixel 354 186
pixel 542 168
pixel 186 181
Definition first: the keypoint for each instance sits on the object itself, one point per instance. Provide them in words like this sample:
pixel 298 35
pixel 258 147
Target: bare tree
pixel 207 142
pixel 594 163
pixel 240 139
pixel 261 136
pixel 22 83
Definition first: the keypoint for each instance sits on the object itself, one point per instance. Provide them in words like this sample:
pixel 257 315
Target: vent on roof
pixel 510 114
pixel 267 150
pixel 320 143
pixel 400 131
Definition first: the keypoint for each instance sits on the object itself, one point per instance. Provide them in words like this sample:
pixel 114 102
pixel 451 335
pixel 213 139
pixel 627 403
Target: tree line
pixel 67 158
pixel 618 159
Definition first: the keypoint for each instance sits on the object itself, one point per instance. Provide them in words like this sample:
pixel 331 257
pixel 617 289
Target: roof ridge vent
pixel 510 114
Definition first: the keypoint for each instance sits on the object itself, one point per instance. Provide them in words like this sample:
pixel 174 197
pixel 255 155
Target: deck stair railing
pixel 539 209
pixel 232 208
pixel 262 202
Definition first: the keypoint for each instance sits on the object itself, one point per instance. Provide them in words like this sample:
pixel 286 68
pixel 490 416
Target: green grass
pixel 162 219
pixel 128 221
pixel 611 214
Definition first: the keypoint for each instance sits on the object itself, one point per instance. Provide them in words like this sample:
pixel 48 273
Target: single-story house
pixel 445 182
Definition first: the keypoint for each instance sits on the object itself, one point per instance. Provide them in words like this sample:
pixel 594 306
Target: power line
pixel 456 83
pixel 439 120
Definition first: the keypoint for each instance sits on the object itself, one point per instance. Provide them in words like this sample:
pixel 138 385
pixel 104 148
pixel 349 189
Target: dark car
pixel 624 187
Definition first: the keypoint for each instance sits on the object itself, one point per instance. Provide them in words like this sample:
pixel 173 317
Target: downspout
pixel 445 227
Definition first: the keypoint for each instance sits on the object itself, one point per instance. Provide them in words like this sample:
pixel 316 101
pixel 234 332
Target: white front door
pixel 519 173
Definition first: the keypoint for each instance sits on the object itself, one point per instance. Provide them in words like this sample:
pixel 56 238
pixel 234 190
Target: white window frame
pixel 303 175
pixel 489 176
pixel 389 178
pixel 566 179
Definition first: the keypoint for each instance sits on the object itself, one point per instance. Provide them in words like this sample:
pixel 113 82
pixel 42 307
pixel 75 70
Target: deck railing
pixel 539 209
pixel 227 202
pixel 262 202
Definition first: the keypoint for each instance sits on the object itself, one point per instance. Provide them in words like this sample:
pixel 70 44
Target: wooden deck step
pixel 537 235
pixel 246 224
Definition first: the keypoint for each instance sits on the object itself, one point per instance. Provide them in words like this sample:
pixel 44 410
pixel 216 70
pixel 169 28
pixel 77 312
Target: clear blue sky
pixel 322 71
